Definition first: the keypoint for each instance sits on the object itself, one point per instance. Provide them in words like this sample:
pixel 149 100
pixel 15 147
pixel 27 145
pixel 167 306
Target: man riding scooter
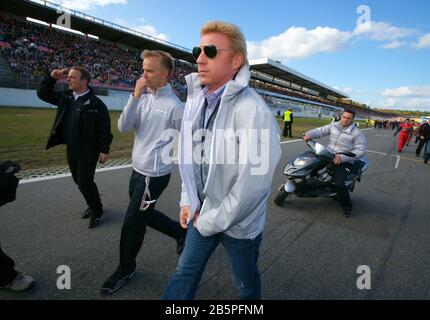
pixel 344 137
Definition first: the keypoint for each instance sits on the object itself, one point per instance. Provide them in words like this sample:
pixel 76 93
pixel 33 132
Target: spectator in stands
pixel 29 48
pixel 223 203
pixel 83 124
pixel 151 174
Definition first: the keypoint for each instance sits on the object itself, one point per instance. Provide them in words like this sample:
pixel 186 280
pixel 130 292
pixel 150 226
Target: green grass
pixel 24 133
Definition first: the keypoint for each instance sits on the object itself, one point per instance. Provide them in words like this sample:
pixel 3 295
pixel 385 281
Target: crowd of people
pixel 359 110
pixel 410 131
pixel 30 49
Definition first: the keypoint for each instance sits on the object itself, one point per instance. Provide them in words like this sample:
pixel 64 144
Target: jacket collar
pixel 77 96
pixel 348 129
pixel 90 89
pixel 233 87
pixel 163 91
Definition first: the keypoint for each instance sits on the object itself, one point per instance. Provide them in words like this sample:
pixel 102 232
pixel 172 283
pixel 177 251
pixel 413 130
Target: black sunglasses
pixel 210 51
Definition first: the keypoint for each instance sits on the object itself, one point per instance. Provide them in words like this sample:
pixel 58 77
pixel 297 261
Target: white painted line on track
pixel 291 141
pixel 397 163
pixel 377 152
pixel 24 181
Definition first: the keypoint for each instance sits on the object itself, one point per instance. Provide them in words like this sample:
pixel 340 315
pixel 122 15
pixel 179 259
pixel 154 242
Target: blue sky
pixel 383 62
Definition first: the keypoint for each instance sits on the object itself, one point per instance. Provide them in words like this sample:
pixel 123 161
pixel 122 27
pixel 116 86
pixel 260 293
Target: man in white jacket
pixel 152 116
pixel 228 150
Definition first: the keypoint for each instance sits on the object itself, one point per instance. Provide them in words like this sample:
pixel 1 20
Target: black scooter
pixel 308 175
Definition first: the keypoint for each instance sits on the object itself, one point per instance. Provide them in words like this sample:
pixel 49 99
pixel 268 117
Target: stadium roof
pixel 273 71
pixel 49 12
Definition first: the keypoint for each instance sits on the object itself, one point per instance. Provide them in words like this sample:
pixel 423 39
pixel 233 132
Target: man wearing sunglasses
pixel 223 201
pixel 152 116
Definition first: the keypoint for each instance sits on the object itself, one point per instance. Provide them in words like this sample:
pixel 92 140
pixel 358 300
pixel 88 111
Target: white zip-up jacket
pixel 238 184
pixel 156 118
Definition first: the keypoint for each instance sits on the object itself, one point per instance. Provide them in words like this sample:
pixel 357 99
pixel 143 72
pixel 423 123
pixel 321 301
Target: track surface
pixel 309 251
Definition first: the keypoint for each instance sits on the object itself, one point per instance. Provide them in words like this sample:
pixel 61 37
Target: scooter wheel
pixel 280 197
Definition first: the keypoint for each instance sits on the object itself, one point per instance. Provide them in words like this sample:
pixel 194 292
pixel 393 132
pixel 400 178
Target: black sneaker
pixel 116 281
pixel 180 244
pixel 87 213
pixel 347 213
pixel 95 219
pixel 335 197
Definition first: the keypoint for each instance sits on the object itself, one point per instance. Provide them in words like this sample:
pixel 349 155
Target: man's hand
pixel 196 216
pixel 59 74
pixel 103 157
pixel 337 160
pixel 139 88
pixel 183 216
pixel 306 138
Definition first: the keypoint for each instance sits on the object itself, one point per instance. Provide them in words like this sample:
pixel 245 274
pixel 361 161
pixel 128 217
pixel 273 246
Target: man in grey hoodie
pixel 153 116
pixel 224 193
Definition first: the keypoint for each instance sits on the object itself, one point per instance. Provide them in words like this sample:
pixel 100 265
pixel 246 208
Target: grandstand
pixel 31 44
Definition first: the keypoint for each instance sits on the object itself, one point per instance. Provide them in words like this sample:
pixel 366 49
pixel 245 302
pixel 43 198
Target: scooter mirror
pixel 320 149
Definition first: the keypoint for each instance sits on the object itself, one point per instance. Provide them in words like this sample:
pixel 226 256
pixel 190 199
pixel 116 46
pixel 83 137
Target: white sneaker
pixel 20 283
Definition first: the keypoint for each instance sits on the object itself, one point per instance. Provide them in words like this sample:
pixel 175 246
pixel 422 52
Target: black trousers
pixel 340 172
pixel 7 269
pixel 135 221
pixel 288 127
pixel 421 144
pixel 83 168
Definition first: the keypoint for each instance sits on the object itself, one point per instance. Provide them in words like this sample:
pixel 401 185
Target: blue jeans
pixel 243 254
pixel 427 151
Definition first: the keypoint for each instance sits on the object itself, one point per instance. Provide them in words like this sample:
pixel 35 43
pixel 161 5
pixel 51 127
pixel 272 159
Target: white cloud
pixel 394 45
pixel 383 31
pixel 419 104
pixel 407 98
pixel 83 5
pixel 417 92
pixel 299 43
pixel 348 91
pixel 424 42
pixel 144 28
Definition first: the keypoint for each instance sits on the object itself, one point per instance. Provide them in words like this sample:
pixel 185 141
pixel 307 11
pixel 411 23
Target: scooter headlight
pixel 299 162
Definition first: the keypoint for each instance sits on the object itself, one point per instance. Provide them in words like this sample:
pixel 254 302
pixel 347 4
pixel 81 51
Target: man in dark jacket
pixel 83 124
pixel 423 136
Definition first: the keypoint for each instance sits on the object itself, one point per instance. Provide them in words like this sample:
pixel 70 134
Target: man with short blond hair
pixel 223 201
pixel 151 115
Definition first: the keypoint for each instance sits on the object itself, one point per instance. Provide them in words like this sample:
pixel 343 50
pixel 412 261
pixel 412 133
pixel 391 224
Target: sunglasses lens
pixel 196 52
pixel 210 51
